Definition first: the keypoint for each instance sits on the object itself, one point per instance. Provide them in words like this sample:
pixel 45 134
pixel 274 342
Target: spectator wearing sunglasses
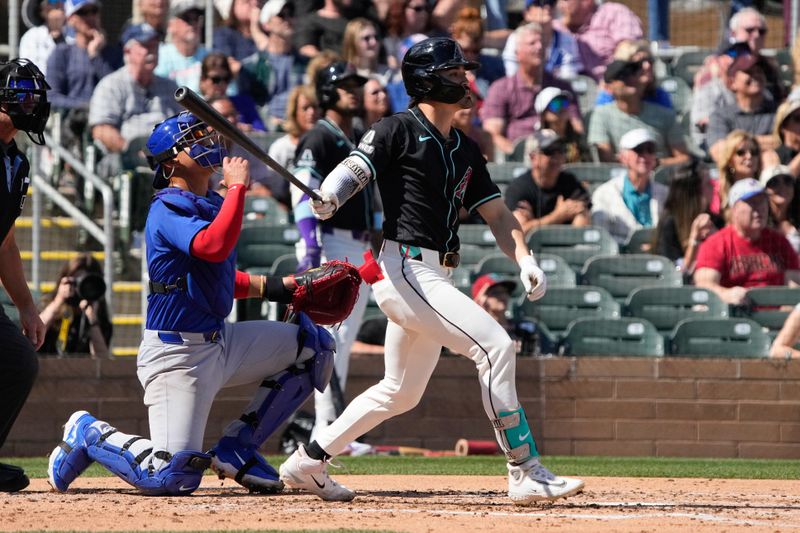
pixel 597 29
pixel 269 75
pixel 215 78
pixel 784 207
pixel 740 158
pixel 786 132
pixel 629 111
pixel 553 107
pixel 631 200
pixel 638 52
pixel 751 112
pixel 180 58
pixel 547 195
pixel 561 56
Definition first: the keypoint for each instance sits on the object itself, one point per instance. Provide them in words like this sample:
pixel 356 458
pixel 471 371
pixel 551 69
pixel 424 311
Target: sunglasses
pixel 216 80
pixel 742 151
pixel 88 11
pixel 557 104
pixel 756 29
pixel 645 149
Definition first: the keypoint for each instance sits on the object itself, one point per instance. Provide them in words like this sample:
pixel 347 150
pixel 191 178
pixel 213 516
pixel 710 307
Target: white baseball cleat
pixel 300 471
pixel 532 482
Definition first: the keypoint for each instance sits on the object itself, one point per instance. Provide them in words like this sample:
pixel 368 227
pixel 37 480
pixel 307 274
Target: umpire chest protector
pixel 205 296
pixel 14 186
pixel 424 179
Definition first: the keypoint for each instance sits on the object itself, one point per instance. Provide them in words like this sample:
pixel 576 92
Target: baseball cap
pixel 619 70
pixel 142 33
pixel 773 172
pixel 541 140
pixel 71 6
pixel 635 138
pixel 487 281
pixel 179 7
pixel 743 190
pixel 547 95
pixel 735 50
pixel 274 8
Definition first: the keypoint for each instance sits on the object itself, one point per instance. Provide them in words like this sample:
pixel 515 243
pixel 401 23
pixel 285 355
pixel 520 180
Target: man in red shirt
pixel 746 253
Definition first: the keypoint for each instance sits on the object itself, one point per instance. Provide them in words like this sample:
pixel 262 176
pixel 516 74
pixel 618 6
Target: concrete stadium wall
pixel 576 406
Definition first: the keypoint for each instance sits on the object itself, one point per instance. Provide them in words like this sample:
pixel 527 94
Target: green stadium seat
pixel 497 262
pixel 639 242
pixel 664 307
pixel 575 245
pixel 261 243
pixel 719 337
pixel 471 255
pixel 593 174
pixel 560 306
pixel 477 234
pixel 604 336
pixel 506 172
pixel 284 265
pixel 769 306
pixel 266 209
pixel 679 91
pixel 585 88
pixel 621 274
pixel 686 65
pixel 518 154
pixel 559 273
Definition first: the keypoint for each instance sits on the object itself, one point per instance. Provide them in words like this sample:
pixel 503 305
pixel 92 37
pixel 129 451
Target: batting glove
pixel 326 207
pixel 533 279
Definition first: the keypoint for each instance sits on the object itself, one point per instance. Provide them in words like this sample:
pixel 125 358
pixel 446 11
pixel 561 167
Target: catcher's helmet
pixel 23 95
pixel 336 75
pixel 177 133
pixel 425 60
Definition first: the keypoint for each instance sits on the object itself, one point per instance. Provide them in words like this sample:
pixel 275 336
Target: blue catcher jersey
pixel 175 217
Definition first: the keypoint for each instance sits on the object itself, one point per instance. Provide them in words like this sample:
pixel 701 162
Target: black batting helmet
pixel 23 95
pixel 423 63
pixel 336 75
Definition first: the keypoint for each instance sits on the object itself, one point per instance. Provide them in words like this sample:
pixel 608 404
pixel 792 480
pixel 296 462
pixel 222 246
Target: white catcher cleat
pixel 532 482
pixel 300 471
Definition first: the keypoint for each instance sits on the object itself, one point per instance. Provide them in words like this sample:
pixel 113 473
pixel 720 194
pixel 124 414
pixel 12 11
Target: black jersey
pixel 14 185
pixel 424 179
pixel 322 148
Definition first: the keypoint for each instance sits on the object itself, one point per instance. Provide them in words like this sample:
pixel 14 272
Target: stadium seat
pixel 472 254
pixel 560 306
pixel 575 245
pixel 592 175
pixel 719 337
pixel 619 275
pixel 559 273
pixel 266 209
pixel 518 154
pixel 639 242
pixel 679 91
pixel 505 172
pixel 686 65
pixel 256 308
pixel 546 342
pixel 664 307
pixel 585 88
pixel 620 336
pixel 477 234
pixel 261 243
pixel 769 306
pixel 284 265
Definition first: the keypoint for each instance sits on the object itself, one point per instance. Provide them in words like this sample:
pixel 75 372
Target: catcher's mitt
pixel 327 293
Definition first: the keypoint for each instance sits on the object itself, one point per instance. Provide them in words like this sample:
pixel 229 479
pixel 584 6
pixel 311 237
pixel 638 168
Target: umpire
pixel 23 106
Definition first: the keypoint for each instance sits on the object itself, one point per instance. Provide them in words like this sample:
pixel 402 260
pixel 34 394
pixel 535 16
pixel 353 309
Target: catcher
pixel 189 353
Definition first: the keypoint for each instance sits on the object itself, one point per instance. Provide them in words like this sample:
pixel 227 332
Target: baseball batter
pixel 426 171
pixel 188 353
pixel 346 235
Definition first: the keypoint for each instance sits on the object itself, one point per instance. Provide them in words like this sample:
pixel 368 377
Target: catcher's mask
pixel 23 97
pixel 422 67
pixel 178 133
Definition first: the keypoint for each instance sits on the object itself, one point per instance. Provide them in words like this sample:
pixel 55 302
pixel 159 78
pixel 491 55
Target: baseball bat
pixel 200 108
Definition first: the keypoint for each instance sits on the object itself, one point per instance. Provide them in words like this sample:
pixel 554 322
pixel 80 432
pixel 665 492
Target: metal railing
pixel 104 234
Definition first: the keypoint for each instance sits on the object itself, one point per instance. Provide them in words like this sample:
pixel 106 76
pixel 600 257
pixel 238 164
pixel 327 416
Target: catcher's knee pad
pixel 178 474
pixel 316 346
pixel 514 436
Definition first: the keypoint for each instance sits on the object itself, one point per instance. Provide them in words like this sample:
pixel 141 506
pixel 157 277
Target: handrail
pixel 104 235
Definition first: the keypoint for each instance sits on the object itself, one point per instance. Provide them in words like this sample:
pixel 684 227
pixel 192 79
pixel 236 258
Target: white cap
pixel 743 190
pixel 270 9
pixel 635 138
pixel 773 171
pixel 546 96
pixel 224 8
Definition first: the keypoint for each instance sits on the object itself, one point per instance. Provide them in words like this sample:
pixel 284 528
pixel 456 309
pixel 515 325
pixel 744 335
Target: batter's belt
pixel 426 255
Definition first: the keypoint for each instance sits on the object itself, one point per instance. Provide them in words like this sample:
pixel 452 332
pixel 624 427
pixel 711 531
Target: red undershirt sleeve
pixel 241 285
pixel 216 241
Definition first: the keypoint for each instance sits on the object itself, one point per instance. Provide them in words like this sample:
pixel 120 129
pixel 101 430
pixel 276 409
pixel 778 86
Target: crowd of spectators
pixel 742 123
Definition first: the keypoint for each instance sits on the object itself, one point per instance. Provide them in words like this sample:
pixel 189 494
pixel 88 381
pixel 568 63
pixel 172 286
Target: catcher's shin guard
pixel 514 436
pixel 177 474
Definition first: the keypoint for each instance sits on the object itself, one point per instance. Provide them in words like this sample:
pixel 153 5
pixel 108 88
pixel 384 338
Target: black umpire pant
pixel 19 365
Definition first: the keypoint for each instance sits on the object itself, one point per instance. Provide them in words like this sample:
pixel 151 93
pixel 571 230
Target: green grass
pixel 495 466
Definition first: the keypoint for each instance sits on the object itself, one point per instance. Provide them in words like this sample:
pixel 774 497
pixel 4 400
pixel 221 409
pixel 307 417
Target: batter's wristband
pixel 276 291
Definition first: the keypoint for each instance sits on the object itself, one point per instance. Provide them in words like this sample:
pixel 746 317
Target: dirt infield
pixel 415 504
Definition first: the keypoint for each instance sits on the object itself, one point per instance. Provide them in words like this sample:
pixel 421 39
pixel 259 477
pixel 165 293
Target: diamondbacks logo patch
pixel 306 159
pixel 365 145
pixel 461 188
